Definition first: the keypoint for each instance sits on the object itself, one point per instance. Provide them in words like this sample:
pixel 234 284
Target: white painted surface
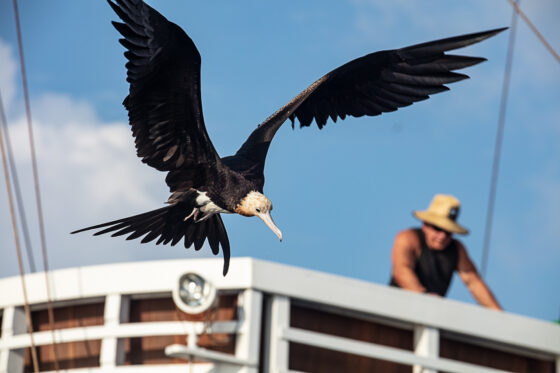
pixel 279 321
pixel 191 353
pixel 426 343
pixel 13 322
pixel 112 331
pixel 248 337
pixel 173 368
pixel 112 316
pixel 123 278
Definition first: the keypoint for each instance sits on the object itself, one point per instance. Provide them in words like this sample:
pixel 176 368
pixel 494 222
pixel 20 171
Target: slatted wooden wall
pixel 312 359
pixel 488 357
pixel 82 354
pixel 150 350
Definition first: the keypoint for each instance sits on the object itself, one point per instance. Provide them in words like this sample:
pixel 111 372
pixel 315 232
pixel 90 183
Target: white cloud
pixel 90 159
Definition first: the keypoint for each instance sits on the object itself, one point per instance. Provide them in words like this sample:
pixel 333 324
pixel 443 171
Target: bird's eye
pixel 258 210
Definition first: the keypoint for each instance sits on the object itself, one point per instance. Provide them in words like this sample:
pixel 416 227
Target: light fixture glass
pixel 193 293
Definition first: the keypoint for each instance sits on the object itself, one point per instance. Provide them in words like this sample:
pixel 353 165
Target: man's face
pixel 436 238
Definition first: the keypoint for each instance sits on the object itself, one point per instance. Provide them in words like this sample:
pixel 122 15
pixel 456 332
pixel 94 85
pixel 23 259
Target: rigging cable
pixel 18 249
pixel 36 183
pixel 541 38
pixel 19 199
pixel 534 29
pixel 498 145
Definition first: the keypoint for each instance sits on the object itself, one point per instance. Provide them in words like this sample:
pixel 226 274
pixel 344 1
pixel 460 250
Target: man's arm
pixel 476 285
pixel 403 257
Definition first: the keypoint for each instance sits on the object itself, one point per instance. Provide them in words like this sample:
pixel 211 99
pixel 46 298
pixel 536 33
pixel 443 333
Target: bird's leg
pixel 193 213
pixel 198 215
pixel 204 216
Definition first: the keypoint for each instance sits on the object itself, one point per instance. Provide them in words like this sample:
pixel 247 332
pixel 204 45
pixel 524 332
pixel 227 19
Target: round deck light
pixel 193 294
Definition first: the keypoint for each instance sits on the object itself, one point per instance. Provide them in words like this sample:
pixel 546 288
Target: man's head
pixel 440 221
pixel 436 238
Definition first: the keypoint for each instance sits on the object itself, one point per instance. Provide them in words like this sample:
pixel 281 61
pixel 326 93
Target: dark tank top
pixel 434 268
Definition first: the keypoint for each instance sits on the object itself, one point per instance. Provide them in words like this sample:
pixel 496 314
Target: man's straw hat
pixel 443 212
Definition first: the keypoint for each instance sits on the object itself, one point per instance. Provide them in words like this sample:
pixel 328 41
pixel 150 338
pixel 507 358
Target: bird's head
pixel 257 204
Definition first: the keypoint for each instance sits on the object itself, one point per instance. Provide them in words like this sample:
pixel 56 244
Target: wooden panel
pixel 164 309
pixel 318 360
pixel 313 359
pixel 349 327
pixel 492 358
pixel 73 355
pixel 218 342
pixel 151 350
pixel 72 316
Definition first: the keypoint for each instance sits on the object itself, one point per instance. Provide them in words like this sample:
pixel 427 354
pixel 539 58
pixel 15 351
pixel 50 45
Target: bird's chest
pixel 207 206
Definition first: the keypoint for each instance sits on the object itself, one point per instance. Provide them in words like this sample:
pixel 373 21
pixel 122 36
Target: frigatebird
pixel 165 114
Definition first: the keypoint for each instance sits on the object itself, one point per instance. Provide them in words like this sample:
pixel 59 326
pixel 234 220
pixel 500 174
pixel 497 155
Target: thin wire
pixel 532 27
pixel 36 181
pixel 539 35
pixel 19 199
pixel 18 248
pixel 498 145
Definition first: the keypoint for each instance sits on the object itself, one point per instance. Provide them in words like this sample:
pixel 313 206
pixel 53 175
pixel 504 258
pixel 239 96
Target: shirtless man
pixel 424 259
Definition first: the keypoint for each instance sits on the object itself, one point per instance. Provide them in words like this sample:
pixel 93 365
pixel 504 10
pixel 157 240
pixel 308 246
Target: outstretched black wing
pixel 164 104
pixel 377 83
pixel 165 113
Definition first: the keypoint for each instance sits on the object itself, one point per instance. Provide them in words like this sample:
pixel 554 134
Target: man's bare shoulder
pixel 409 234
pixel 407 237
pixel 461 249
pixel 460 245
pixel 407 244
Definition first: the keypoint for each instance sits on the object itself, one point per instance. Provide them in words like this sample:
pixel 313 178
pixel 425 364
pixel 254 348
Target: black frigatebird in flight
pixel 165 114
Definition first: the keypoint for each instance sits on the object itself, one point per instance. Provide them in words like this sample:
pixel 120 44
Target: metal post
pixel 116 311
pixel 13 322
pixel 279 316
pixel 426 343
pixel 248 337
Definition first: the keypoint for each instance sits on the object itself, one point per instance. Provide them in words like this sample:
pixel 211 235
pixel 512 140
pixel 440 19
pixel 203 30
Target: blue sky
pixel 340 194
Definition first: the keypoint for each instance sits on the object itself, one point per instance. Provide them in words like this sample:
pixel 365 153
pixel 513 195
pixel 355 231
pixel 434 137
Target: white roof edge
pixel 139 277
pixel 315 286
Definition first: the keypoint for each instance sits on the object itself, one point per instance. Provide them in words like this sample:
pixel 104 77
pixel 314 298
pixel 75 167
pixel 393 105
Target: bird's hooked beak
pixel 265 216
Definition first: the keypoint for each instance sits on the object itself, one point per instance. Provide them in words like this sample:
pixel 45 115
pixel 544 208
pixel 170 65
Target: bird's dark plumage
pixel 167 224
pixel 165 115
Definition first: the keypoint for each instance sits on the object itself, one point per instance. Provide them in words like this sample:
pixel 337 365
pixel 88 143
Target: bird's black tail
pixel 168 225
